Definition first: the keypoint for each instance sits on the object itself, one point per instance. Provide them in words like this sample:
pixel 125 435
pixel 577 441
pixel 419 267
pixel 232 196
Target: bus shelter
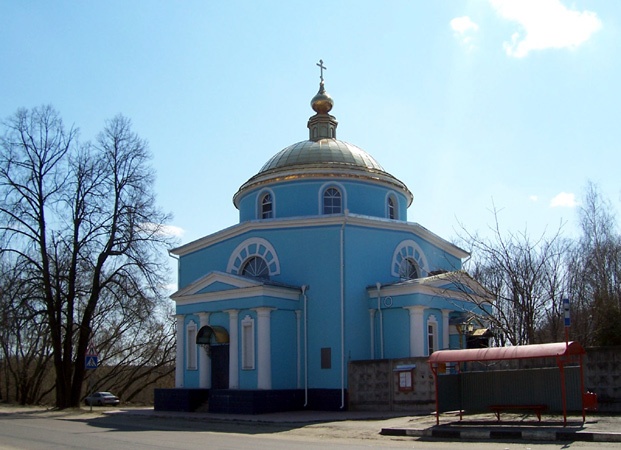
pixel 514 388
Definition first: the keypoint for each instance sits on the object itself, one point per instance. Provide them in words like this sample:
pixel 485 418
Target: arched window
pixel 392 208
pixel 408 269
pixel 253 247
pixel 255 267
pixel 332 201
pixel 267 210
pixel 409 261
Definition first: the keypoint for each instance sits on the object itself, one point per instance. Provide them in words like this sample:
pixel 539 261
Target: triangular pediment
pixel 216 287
pixel 446 284
pixel 222 286
pixel 216 282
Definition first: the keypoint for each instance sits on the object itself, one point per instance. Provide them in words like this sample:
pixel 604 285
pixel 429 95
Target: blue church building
pixel 322 269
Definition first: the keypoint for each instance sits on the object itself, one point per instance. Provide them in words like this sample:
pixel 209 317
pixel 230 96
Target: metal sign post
pixel 567 319
pixel 91 361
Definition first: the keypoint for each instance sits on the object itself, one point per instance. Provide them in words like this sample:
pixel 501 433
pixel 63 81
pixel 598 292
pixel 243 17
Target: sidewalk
pixel 597 428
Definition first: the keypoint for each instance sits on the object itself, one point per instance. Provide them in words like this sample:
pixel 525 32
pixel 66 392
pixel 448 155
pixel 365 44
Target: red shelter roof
pixel 554 350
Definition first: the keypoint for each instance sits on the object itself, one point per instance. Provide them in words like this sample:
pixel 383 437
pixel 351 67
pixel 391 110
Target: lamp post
pixel 465 330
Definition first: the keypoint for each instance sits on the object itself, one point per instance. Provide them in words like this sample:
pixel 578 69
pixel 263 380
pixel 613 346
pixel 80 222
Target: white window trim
pixel 191 356
pixel 337 186
pixel 253 247
pixel 260 203
pixel 392 196
pixel 409 249
pixel 248 347
pixel 432 322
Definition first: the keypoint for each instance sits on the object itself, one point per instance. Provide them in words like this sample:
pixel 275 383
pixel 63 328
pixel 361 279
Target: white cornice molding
pixel 432 291
pixel 282 293
pixel 320 221
pixel 320 171
pixel 406 289
pixel 436 286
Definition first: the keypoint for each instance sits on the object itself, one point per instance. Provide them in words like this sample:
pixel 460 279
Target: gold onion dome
pixel 322 103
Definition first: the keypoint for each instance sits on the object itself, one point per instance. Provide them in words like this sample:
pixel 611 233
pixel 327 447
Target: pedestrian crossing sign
pixel 91 362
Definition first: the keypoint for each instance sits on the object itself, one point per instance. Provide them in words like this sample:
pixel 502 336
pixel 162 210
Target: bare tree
pixel 136 350
pixel 595 273
pixel 555 289
pixel 24 340
pixel 524 278
pixel 83 219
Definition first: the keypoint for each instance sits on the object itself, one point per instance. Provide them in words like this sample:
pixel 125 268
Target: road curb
pixel 509 434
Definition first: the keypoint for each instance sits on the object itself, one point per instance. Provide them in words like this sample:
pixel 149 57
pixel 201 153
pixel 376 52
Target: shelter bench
pixel 537 409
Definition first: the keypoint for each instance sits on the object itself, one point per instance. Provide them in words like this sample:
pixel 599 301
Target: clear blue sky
pixel 470 103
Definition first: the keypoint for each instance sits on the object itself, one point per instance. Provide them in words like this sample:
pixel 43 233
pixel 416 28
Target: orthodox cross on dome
pixel 321 69
pixel 322 125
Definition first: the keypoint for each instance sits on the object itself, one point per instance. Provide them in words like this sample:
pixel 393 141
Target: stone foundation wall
pixel 602 375
pixel 374 385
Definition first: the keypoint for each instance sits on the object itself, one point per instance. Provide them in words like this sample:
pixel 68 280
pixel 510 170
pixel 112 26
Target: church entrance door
pixel 220 366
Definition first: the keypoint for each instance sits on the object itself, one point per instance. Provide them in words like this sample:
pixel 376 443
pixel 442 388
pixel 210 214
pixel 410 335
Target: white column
pixel 264 349
pixel 233 349
pixel 417 330
pixel 204 360
pixel 445 329
pixel 180 351
pixel 372 331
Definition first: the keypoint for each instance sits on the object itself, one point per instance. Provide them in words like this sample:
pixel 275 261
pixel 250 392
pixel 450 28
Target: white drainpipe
pixel 343 311
pixel 304 287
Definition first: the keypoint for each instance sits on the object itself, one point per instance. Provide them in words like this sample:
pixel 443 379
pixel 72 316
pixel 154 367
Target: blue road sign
pixel 91 362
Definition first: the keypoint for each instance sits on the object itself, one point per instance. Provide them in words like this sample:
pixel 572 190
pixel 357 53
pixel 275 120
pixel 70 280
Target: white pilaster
pixel 264 349
pixel 204 360
pixel 445 329
pixel 180 351
pixel 233 349
pixel 417 330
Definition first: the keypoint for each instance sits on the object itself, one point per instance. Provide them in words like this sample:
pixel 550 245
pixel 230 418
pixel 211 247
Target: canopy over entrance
pixel 212 334
pixel 563 352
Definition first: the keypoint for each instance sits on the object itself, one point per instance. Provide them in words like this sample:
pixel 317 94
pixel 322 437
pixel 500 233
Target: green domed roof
pixel 324 151
pixel 324 158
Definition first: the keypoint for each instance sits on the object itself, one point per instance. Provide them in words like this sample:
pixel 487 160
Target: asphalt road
pixel 84 430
